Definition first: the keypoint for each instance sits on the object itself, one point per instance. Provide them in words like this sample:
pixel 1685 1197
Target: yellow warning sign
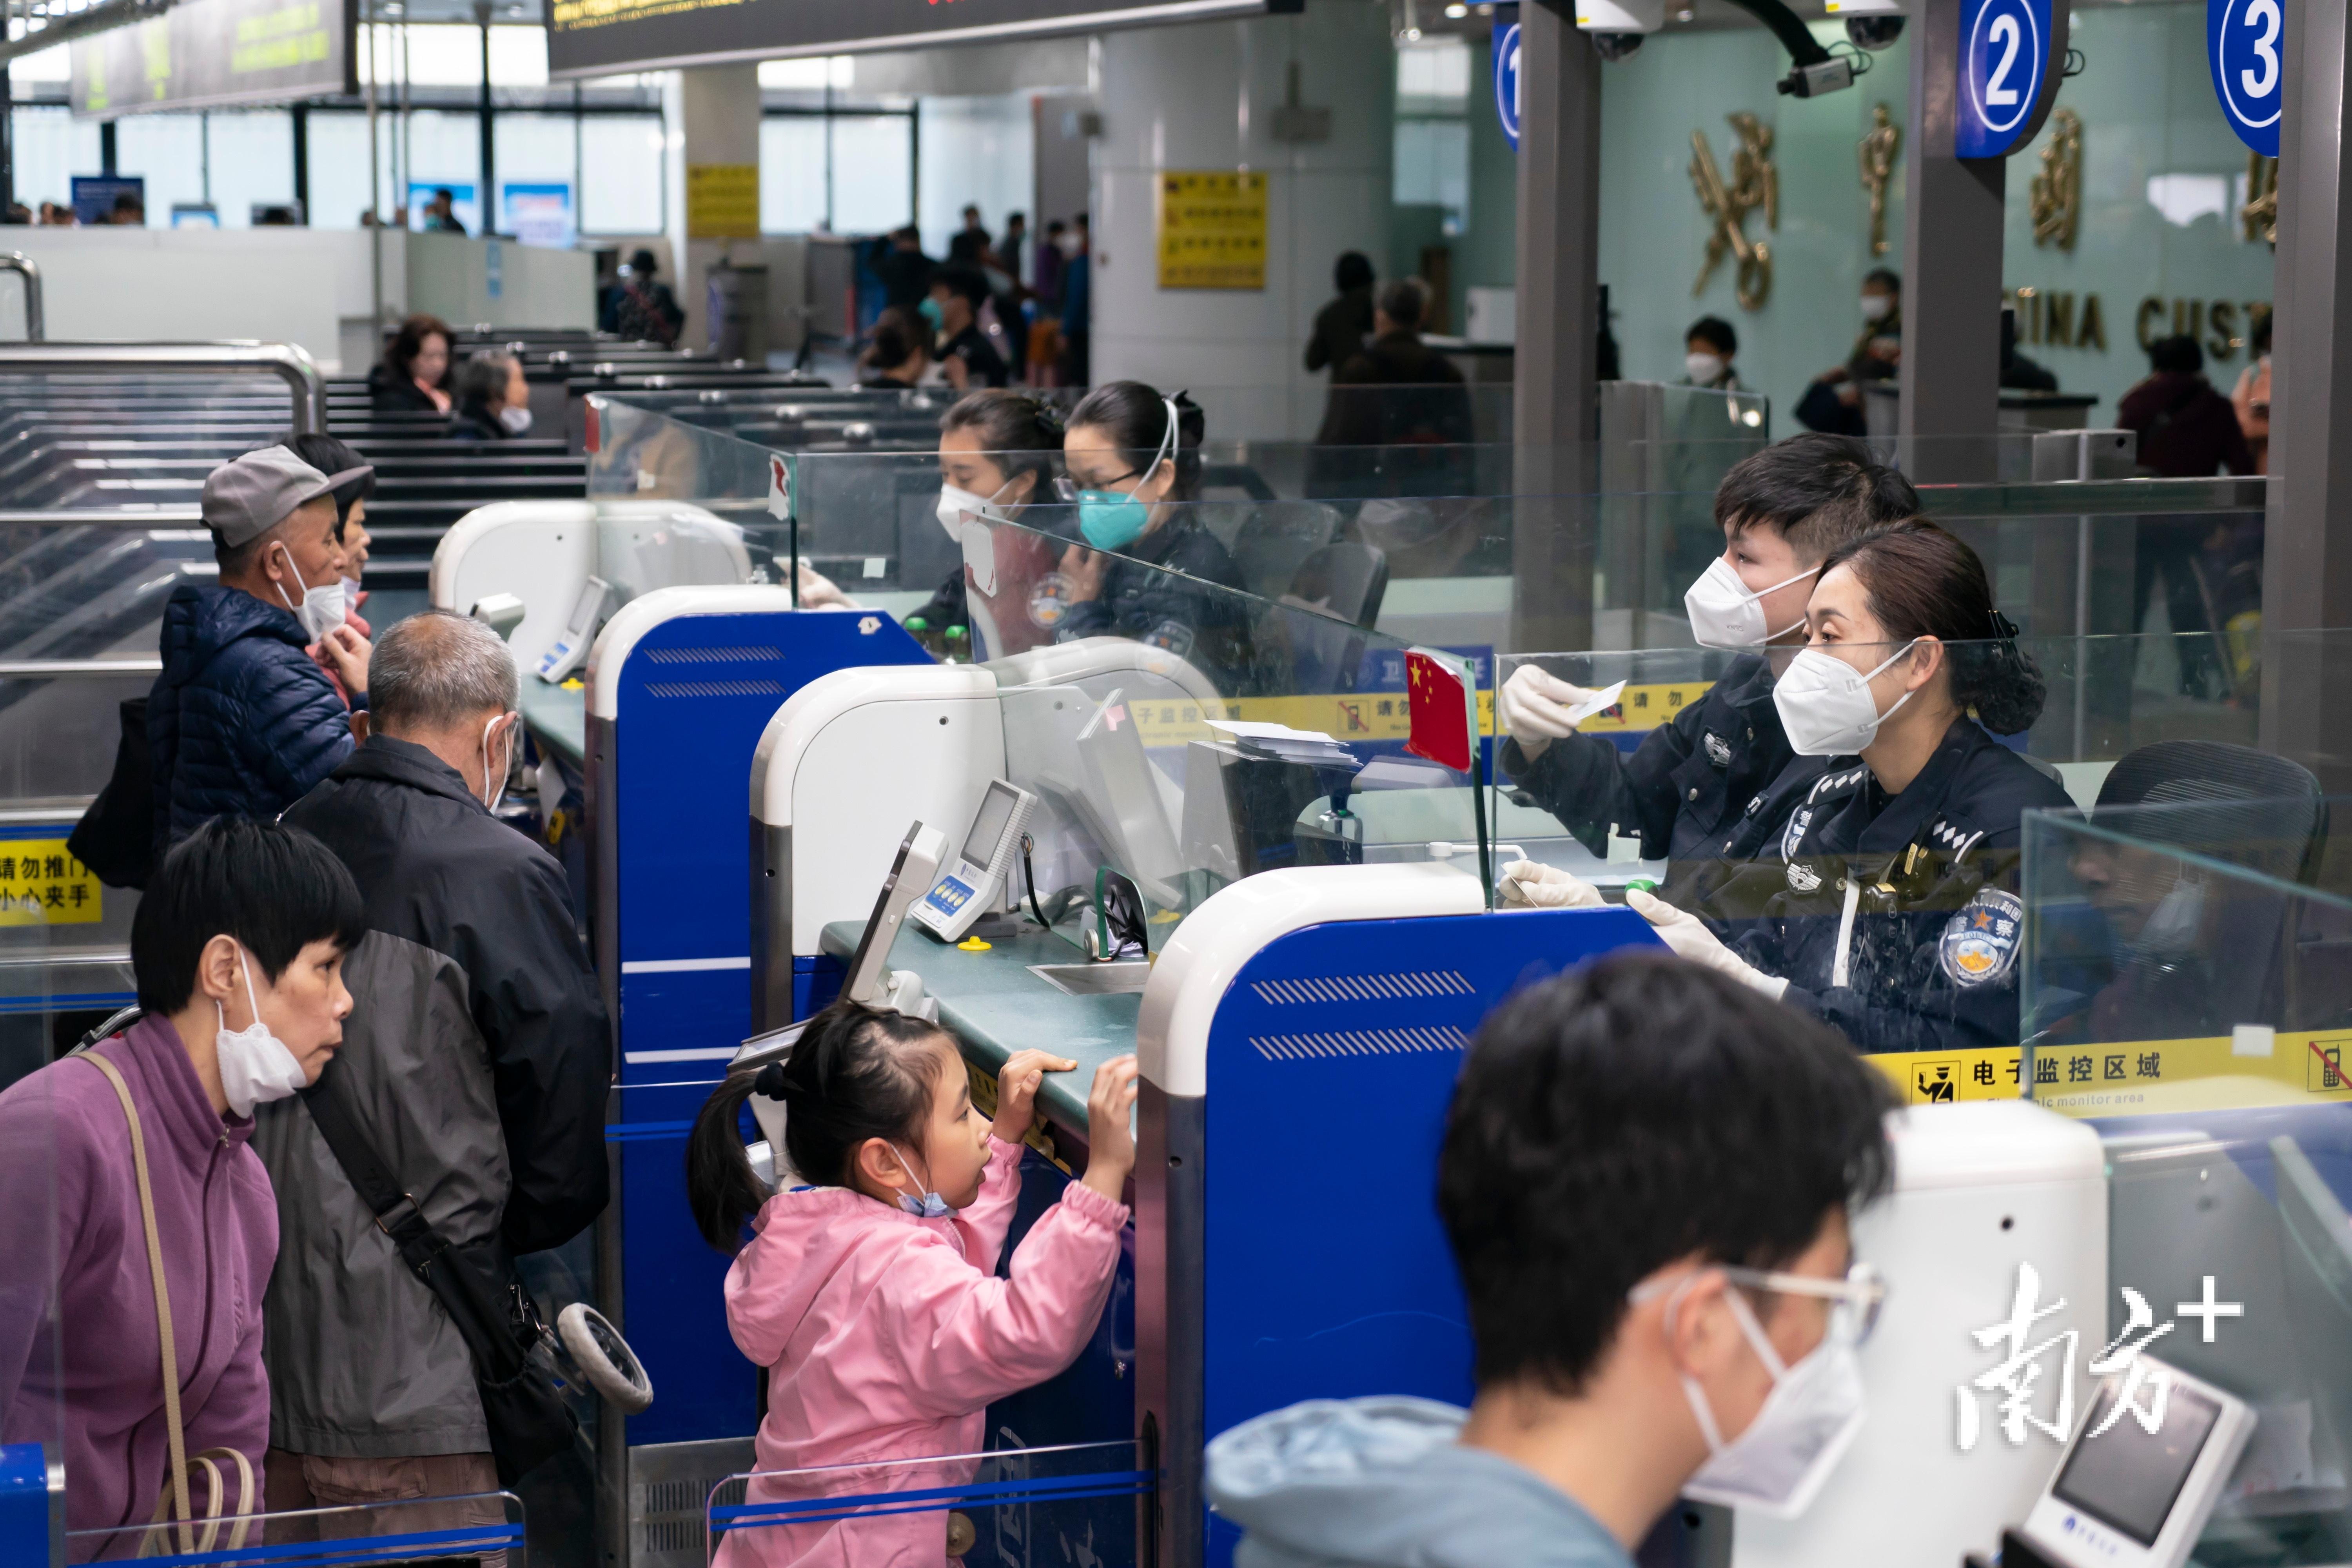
pixel 722 200
pixel 1212 230
pixel 2130 1078
pixel 42 884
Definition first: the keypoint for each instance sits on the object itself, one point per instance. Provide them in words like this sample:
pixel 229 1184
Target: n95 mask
pixel 1723 611
pixel 322 607
pixel 1778 1465
pixel 1825 706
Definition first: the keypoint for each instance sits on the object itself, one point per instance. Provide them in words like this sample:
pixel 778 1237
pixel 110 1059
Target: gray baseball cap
pixel 246 497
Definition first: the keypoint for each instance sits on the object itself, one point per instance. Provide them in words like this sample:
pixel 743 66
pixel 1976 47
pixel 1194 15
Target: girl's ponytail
pixel 721 1188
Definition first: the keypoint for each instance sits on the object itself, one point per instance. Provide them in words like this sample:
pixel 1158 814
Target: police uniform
pixel 1165 592
pixel 1897 917
pixel 1693 788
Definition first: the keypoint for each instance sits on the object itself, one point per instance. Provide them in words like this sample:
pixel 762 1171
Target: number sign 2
pixel 2010 52
pixel 2244 43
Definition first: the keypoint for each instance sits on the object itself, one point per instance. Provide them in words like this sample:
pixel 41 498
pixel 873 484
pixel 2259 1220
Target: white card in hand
pixel 1605 698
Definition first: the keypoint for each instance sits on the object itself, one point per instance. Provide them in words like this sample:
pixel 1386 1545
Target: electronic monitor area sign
pixel 203 54
pixel 597 37
pixel 2010 55
pixel 2245 41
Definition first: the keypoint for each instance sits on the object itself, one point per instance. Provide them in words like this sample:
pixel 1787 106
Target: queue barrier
pixel 481 1528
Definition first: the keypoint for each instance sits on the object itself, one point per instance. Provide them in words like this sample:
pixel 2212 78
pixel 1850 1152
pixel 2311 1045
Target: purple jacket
pixel 67 1183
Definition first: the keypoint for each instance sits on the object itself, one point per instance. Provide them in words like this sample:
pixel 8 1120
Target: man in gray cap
pixel 244 720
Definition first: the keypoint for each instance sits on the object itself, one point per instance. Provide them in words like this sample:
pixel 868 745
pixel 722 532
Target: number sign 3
pixel 2244 43
pixel 2005 49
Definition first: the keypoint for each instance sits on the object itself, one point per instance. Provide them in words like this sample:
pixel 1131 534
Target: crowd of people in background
pixel 1003 310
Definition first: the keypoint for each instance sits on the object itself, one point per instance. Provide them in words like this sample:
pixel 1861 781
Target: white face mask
pixel 954 503
pixel 495 780
pixel 1067 244
pixel 322 607
pixel 1778 1464
pixel 351 592
pixel 1724 613
pixel 516 418
pixel 254 1065
pixel 1825 704
pixel 1702 368
pixel 1877 307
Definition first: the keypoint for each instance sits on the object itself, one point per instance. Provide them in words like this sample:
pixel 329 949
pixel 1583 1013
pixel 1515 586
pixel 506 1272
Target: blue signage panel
pixel 2006 50
pixel 2245 41
pixel 1507 77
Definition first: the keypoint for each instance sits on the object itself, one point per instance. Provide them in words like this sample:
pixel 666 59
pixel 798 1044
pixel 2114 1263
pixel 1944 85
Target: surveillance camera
pixel 1616 46
pixel 1875 32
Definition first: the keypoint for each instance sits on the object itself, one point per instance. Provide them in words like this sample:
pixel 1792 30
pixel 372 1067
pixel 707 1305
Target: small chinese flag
pixel 1442 728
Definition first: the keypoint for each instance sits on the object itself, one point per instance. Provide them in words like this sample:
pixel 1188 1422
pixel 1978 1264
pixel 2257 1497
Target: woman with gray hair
pixel 493 399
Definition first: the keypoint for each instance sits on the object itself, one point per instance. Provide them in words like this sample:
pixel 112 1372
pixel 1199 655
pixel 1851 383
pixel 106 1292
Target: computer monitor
pixel 2125 1497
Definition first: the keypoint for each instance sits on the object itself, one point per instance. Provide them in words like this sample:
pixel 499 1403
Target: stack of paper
pixel 1311 747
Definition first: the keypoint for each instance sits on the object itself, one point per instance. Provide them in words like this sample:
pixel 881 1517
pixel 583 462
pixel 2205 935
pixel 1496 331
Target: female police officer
pixel 1891 907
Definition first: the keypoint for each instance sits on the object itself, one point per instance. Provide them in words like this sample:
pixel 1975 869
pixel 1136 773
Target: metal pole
pixel 1553 415
pixel 301 116
pixel 375 184
pixel 8 142
pixel 2307 550
pixel 24 267
pixel 489 204
pixel 287 362
pixel 1950 374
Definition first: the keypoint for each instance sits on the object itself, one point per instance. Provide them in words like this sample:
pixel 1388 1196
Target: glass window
pixel 51 147
pixel 621 155
pixel 339 173
pixel 252 163
pixel 167 151
pixel 1433 167
pixel 874 171
pixel 791 173
pixel 446 148
pixel 535 171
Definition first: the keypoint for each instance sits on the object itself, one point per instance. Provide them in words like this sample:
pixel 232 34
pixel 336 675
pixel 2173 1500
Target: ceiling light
pixel 1456 12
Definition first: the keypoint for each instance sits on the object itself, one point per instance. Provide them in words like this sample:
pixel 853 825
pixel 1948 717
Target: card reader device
pixel 571 645
pixel 2129 1497
pixel 968 888
pixel 870 979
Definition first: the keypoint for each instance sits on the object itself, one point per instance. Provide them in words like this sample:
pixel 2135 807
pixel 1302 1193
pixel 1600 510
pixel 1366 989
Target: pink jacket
pixel 887 1336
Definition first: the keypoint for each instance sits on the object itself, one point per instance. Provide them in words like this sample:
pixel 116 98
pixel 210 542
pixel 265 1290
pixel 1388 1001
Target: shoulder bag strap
pixel 174 1432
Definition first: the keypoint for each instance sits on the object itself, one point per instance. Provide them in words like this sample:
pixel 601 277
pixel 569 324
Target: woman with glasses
pixel 1147 568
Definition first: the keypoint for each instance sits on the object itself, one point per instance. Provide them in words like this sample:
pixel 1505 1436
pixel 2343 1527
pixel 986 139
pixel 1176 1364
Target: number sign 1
pixel 1506 79
pixel 2244 43
pixel 2006 76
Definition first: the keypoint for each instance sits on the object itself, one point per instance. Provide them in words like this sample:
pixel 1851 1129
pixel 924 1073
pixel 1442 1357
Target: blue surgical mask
pixel 1113 519
pixel 931 1206
pixel 932 313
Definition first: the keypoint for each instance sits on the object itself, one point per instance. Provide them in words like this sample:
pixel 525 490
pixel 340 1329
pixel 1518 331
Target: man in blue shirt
pixel 1646 1178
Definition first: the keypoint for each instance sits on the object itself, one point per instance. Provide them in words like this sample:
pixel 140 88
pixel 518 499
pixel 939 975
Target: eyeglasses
pixel 1068 488
pixel 1860 1296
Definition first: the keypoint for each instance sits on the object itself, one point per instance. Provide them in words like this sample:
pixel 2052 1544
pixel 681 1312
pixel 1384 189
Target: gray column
pixel 1558 307
pixel 2307 562
pixel 1952 267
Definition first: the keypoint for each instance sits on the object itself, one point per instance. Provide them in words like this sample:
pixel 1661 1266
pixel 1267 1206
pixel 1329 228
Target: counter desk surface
pixel 998 1007
pixel 557 715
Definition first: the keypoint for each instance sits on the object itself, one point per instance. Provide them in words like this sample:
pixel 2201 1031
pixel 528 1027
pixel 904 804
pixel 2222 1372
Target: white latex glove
pixel 1689 937
pixel 1535 705
pixel 818 591
pixel 1542 887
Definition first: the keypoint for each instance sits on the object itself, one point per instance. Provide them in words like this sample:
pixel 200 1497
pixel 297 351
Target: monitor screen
pixel 2129 1476
pixel 995 811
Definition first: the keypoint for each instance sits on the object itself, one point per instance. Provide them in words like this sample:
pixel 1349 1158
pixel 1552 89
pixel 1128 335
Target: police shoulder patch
pixel 1979 944
pixel 1794 834
pixel 1803 878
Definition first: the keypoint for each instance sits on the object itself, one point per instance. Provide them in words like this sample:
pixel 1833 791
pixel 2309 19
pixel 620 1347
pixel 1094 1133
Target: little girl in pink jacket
pixel 872 1297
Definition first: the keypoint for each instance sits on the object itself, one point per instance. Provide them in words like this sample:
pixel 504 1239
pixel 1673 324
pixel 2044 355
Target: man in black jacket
pixel 477 1058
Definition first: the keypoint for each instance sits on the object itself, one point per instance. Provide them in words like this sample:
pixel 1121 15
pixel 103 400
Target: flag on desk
pixel 1442 704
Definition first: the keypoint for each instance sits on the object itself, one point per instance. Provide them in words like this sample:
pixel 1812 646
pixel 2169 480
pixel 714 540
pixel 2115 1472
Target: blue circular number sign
pixel 2245 45
pixel 2005 48
pixel 1507 80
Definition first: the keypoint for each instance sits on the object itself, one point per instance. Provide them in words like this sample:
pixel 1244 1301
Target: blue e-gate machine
pixel 681 682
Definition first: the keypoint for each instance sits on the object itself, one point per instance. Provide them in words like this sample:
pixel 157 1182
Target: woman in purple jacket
pixel 238 948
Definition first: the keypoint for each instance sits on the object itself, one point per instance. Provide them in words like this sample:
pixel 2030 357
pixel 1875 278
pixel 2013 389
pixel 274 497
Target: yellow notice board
pixel 2134 1077
pixel 1212 230
pixel 722 200
pixel 42 884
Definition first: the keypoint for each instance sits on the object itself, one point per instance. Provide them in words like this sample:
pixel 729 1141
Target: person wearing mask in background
pixel 1342 326
pixel 1833 402
pixel 493 399
pixel 238 947
pixel 1648 1179
pixel 414 372
pixel 441 213
pixel 640 307
pixel 899 353
pixel 330 456
pixel 997 452
pixel 1695 785
pixel 1708 351
pixel 477 1058
pixel 1892 910
pixel 242 722
pixel 2252 396
pixel 1077 303
pixel 965 353
pixel 1149 567
pixel 2187 429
